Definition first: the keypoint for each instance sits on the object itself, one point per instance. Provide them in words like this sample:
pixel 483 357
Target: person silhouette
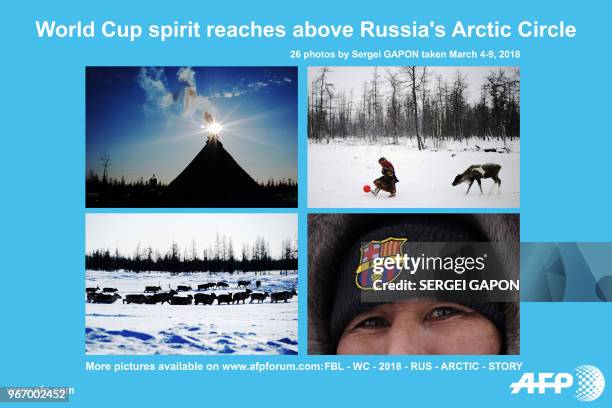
pixel 153 181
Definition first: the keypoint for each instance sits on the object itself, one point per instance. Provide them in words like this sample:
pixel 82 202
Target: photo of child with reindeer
pixel 414 137
pixel 191 284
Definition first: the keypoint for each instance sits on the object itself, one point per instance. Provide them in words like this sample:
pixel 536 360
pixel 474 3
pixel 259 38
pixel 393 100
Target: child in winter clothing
pixel 388 180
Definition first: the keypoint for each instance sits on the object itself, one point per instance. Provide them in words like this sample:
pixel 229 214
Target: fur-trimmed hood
pixel 330 235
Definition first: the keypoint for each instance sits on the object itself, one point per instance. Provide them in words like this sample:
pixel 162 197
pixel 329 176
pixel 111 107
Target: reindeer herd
pixel 154 294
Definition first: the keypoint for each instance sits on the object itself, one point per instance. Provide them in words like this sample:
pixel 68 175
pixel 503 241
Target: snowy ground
pixel 338 171
pixel 268 328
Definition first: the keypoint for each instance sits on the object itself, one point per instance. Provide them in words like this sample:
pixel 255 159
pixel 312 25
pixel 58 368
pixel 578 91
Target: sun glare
pixel 215 128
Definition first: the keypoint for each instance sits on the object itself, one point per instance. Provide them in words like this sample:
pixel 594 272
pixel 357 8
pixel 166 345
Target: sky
pixel 126 231
pixel 150 120
pixel 347 78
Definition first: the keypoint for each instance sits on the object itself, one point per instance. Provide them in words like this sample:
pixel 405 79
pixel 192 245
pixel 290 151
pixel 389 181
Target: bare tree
pixel 394 108
pixel 106 162
pixel 415 82
pixel 376 106
pixel 458 104
pixel 324 88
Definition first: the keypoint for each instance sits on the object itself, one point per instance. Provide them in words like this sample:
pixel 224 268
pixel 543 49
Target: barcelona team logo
pixel 388 248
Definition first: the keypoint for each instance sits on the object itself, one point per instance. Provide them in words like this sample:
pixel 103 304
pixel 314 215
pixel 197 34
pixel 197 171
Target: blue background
pixel 565 196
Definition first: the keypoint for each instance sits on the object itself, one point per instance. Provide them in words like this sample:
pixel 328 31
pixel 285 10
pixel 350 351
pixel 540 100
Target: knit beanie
pixel 348 296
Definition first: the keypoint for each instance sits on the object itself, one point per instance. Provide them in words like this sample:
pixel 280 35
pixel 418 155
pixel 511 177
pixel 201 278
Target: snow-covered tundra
pixel 337 172
pixel 257 328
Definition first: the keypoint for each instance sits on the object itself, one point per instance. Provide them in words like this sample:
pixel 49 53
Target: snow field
pixel 268 328
pixel 338 171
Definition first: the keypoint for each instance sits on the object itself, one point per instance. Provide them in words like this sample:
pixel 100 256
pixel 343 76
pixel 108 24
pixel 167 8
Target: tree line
pixel 218 257
pixel 413 103
pixel 95 182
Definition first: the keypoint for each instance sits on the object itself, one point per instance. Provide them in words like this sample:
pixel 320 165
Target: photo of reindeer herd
pixel 175 284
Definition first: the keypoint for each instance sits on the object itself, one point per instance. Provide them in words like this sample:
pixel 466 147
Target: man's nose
pixel 406 338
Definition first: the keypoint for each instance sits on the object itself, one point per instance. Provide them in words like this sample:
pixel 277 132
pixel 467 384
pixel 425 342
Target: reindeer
pixel 258 297
pixel 241 296
pixel 285 295
pixel 162 297
pixel 206 286
pixel 106 298
pixel 205 299
pixel 477 172
pixel 243 284
pixel 137 298
pixel 181 300
pixel 153 289
pixel 225 298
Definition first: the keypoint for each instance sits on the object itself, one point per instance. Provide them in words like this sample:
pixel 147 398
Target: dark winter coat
pixel 388 180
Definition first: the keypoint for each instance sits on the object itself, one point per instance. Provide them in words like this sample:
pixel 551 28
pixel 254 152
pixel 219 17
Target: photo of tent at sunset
pixel 191 137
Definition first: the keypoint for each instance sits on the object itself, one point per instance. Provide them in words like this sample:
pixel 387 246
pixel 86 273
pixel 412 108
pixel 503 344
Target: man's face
pixel 420 327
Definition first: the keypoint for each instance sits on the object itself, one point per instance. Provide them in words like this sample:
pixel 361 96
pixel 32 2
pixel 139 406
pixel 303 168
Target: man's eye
pixel 374 322
pixel 442 313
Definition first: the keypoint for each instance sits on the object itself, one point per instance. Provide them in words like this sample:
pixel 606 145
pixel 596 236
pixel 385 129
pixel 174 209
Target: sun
pixel 215 128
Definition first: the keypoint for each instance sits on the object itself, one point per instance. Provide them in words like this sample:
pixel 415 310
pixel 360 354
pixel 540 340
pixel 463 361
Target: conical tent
pixel 214 178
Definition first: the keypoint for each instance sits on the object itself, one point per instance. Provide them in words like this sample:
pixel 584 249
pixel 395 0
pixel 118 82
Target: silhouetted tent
pixel 215 179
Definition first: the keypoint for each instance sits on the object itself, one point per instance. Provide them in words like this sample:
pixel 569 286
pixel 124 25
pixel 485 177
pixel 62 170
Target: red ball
pixel 366 189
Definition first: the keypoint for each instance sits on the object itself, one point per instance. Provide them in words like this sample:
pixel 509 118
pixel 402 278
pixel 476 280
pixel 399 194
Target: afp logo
pixel 589 383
